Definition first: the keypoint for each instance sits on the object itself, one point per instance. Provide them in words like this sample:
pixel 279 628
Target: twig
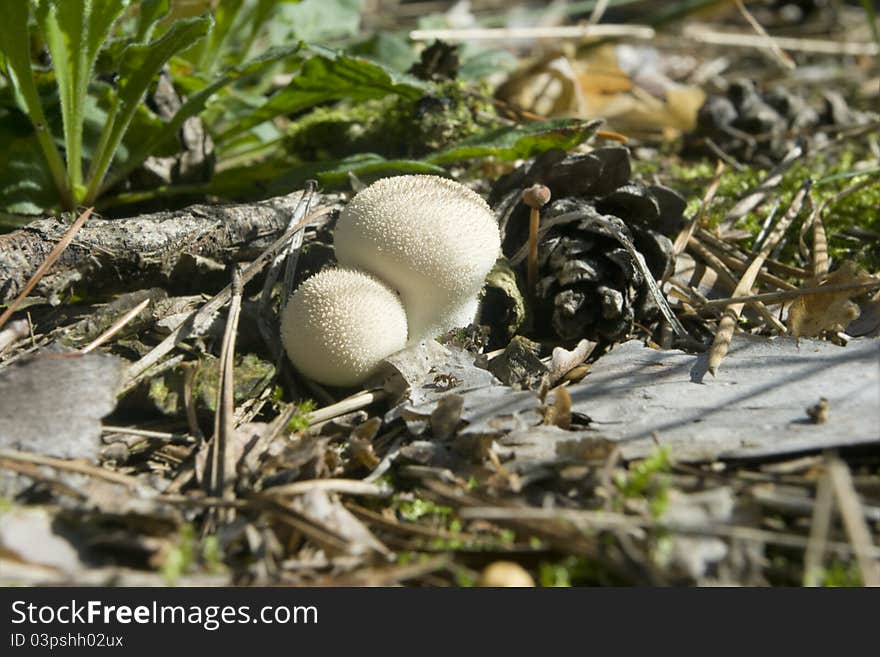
pixel 136 370
pixel 607 30
pixel 727 325
pixel 348 405
pixel 819 528
pixel 146 433
pixel 71 466
pixel 727 278
pixel 344 486
pixel 222 463
pixel 47 263
pixel 704 34
pixel 736 260
pixel 776 297
pixel 756 196
pixel 117 326
pixel 854 521
pixel 784 59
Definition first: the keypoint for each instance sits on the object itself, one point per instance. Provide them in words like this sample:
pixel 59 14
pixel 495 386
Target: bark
pixel 152 249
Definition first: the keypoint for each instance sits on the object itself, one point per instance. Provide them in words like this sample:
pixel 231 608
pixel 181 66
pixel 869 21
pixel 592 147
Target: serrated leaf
pixel 519 142
pixel 139 65
pixel 327 77
pixel 74 31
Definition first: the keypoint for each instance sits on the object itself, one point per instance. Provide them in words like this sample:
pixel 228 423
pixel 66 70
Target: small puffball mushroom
pixel 340 324
pixel 430 238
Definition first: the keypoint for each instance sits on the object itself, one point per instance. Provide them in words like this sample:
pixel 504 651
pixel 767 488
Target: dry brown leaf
pixel 813 314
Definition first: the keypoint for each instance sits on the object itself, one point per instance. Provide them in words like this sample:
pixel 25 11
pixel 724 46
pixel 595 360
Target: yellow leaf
pixel 813 314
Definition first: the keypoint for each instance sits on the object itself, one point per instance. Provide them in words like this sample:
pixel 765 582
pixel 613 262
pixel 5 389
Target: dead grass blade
pixel 687 232
pixel 854 521
pixel 186 327
pixel 727 278
pixel 781 56
pixel 819 528
pixel 222 465
pixel 778 297
pixel 116 327
pixel 728 322
pixel 47 263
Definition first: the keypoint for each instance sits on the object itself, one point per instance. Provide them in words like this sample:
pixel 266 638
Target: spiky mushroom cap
pixel 340 324
pixel 430 238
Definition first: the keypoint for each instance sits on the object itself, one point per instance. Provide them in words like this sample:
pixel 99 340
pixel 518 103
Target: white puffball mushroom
pixel 340 324
pixel 430 238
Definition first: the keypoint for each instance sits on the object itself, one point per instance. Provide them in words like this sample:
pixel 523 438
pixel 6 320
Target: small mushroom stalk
pixel 535 197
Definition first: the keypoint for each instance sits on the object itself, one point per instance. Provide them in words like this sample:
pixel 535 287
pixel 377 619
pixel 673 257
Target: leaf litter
pixel 548 444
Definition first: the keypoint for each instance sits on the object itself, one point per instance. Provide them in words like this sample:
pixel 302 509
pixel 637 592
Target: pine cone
pixel 588 284
pixel 760 128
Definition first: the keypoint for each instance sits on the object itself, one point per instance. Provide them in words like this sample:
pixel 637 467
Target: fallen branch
pixel 114 255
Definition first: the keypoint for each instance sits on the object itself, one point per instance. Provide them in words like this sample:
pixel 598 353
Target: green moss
pixel 180 557
pixel 835 172
pixel 416 509
pixel 392 127
pixel 575 571
pixel 840 574
pixel 300 419
pixel 646 479
pixel 6 505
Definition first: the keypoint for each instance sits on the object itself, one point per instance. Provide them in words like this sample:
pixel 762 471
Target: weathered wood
pixel 152 249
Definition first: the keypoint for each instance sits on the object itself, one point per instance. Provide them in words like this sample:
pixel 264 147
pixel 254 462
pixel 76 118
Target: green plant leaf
pixel 320 21
pixel 224 17
pixel 327 77
pixel 74 31
pixel 25 179
pixel 139 65
pixel 151 12
pixel 520 141
pixel 15 45
pixel 369 167
pixel 193 106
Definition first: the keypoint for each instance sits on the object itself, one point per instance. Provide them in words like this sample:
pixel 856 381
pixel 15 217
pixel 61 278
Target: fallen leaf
pixel 53 404
pixel 813 314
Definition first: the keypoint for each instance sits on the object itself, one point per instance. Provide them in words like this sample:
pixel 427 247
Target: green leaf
pixel 74 31
pixel 193 106
pixel 224 17
pixel 152 11
pixel 139 65
pixel 370 167
pixel 320 21
pixel 276 177
pixel 15 45
pixel 331 77
pixel 25 180
pixel 520 141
